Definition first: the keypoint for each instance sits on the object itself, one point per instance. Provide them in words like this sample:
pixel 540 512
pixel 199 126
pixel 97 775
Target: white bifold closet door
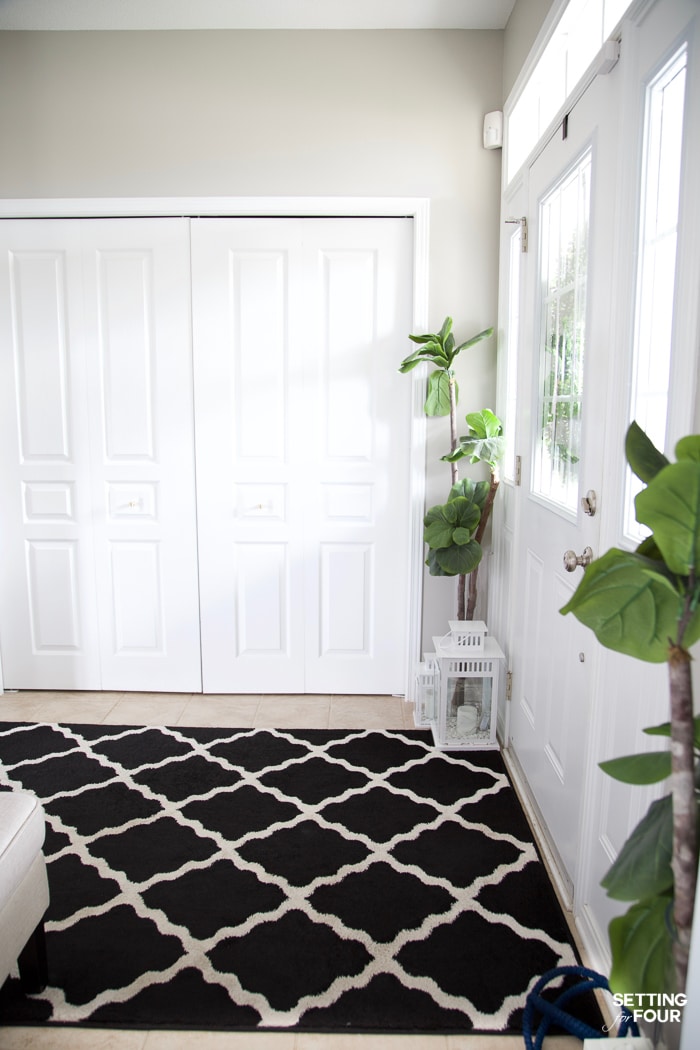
pixel 98 564
pixel 302 434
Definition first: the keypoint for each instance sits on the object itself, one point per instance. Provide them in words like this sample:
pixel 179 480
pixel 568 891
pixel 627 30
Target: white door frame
pixel 416 208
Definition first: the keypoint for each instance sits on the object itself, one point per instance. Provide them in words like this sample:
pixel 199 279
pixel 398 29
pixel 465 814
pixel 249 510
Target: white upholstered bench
pixel 24 889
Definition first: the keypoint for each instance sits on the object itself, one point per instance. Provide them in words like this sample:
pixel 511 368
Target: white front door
pixel 97 517
pixel 303 434
pixel 562 398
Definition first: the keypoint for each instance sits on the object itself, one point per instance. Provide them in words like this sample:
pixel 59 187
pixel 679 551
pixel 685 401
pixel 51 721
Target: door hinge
pixel 518 471
pixel 522 221
pixel 509 685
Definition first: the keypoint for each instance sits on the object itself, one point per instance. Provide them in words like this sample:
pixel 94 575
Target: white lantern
pixel 468 634
pixel 469 678
pixel 426 685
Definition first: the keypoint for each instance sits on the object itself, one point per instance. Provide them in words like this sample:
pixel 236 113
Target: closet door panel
pixel 302 429
pixel 248 370
pixel 356 505
pixel 48 612
pixel 97 521
pixel 137 303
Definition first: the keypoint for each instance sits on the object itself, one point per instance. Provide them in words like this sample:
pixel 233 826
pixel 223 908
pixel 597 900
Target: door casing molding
pixel 415 208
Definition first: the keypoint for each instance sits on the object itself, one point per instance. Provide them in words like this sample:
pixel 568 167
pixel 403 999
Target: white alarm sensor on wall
pixel 493 130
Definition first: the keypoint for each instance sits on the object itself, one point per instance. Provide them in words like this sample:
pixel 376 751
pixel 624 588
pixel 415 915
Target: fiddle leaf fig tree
pixel 483 443
pixel 453 530
pixel 440 350
pixel 646 603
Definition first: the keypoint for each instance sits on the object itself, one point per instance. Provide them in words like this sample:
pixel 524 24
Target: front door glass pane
pixel 564 229
pixel 656 270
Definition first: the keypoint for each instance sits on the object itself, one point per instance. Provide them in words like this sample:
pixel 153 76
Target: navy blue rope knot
pixel 553 1012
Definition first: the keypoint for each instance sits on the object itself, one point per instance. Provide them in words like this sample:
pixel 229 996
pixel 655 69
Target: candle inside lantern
pixel 467 718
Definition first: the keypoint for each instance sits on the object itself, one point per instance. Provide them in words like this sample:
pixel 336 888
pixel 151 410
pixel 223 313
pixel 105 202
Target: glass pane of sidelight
pixel 512 335
pixel 656 269
pixel 564 225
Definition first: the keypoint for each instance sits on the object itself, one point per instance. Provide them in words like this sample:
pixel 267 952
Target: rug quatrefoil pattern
pixel 320 880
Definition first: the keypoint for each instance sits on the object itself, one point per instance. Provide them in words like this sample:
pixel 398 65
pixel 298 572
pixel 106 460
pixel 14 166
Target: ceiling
pixel 254 14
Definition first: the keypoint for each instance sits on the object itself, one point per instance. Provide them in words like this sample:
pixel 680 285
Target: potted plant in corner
pixel 454 530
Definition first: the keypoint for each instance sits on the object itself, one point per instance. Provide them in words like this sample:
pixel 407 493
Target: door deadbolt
pixel 572 560
pixel 590 503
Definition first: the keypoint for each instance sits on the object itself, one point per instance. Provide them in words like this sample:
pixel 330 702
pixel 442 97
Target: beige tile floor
pixel 283 712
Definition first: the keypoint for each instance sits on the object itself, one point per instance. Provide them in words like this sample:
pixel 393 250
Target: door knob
pixel 572 560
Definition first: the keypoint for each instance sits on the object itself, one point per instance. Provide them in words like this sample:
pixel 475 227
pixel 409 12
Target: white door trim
pixel 416 208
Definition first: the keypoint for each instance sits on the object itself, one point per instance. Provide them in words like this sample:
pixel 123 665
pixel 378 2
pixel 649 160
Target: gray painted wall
pixel 520 34
pixel 256 113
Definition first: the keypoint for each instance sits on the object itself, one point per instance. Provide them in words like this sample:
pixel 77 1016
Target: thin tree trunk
pixel 453 428
pixel 685 846
pixel 454 471
pixel 461 589
pixel 472 594
pixel 478 536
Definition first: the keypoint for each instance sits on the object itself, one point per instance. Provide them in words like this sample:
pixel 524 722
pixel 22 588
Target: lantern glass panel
pixel 468 706
pixel 426 691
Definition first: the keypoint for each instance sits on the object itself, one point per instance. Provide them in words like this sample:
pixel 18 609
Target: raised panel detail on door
pixel 137 599
pixel 48 501
pixel 257 296
pixel 350 309
pixel 347 598
pixel 127 329
pixel 262 587
pixel 54 606
pixel 40 352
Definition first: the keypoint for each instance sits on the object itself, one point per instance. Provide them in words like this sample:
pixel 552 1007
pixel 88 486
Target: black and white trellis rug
pixel 312 879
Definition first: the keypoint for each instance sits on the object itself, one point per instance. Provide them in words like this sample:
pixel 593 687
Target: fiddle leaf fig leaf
pixel 441 522
pixel 670 506
pixel 647 768
pixel 445 330
pixel 490 451
pixel 642 947
pixel 433 350
pixel 461 536
pixel 450 512
pixel 643 865
pixel 460 559
pixel 437 402
pixel 485 424
pixel 474 340
pixel 468 513
pixel 449 532
pixel 483 443
pixel 689 448
pixel 433 565
pixel 410 363
pixel 438 531
pixel 627 602
pixel 665 730
pixel 476 491
pixel 649 549
pixel 642 455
